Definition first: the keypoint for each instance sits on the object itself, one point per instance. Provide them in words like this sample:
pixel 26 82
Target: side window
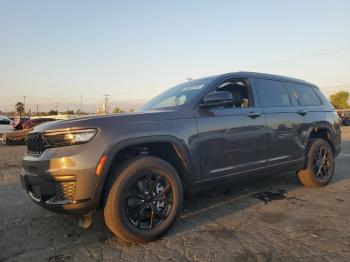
pixel 272 93
pixel 240 90
pixel 306 95
pixel 4 121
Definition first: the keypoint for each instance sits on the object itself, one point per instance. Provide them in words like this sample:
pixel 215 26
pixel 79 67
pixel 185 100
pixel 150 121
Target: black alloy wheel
pixel 149 201
pixel 319 167
pixel 144 199
pixel 322 163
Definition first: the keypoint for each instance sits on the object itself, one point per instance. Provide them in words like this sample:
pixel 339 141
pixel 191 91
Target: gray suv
pixel 194 136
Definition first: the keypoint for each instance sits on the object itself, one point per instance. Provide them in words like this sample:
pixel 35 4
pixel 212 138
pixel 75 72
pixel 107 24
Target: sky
pixel 55 51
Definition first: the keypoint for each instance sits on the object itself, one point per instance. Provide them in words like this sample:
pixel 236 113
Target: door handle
pixel 253 114
pixel 302 112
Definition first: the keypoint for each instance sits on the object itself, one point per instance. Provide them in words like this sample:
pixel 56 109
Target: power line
pixel 329 89
pixel 336 86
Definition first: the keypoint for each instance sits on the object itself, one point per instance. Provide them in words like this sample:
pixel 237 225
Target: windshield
pixel 178 95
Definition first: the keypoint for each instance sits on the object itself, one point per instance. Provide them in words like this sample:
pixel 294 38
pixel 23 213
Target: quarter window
pixel 306 95
pixel 272 93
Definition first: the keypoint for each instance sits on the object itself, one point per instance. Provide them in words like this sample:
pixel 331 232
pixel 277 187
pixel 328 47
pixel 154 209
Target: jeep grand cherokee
pixel 137 166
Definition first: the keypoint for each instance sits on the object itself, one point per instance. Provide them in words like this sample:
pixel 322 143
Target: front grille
pixel 64 191
pixel 35 144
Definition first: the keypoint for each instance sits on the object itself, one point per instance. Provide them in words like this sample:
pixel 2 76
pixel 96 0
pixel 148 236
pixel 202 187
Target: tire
pixel 130 187
pixel 316 174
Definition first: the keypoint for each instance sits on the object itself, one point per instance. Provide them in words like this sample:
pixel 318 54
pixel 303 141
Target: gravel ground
pixel 290 223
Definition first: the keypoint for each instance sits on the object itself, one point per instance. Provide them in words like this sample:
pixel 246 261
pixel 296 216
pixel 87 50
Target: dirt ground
pixel 287 223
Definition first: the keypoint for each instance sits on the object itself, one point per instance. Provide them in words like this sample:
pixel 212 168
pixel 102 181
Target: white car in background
pixel 6 124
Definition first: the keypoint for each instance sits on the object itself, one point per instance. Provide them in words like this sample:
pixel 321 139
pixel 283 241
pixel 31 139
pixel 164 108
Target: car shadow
pixel 233 198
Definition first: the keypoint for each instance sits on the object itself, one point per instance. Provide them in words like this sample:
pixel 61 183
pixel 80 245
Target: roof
pixel 263 75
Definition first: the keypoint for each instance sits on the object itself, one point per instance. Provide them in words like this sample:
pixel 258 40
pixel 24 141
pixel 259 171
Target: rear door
pixel 285 122
pixel 312 109
pixel 308 100
pixel 231 139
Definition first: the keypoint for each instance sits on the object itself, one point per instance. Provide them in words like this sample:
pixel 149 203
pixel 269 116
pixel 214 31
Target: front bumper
pixel 62 179
pixel 55 194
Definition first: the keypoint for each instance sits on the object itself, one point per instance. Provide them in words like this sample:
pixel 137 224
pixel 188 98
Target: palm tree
pixel 20 108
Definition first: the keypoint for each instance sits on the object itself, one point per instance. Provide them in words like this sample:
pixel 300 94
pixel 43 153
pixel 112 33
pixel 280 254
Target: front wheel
pixel 144 200
pixel 319 164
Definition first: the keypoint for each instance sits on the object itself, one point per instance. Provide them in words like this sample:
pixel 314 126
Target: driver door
pixel 232 139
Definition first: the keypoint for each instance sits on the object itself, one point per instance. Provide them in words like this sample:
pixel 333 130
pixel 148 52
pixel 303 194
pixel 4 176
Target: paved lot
pixel 295 224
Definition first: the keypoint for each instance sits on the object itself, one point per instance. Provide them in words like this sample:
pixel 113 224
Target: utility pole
pixel 37 109
pixel 189 79
pixel 106 104
pixel 56 106
pixel 81 104
pixel 24 104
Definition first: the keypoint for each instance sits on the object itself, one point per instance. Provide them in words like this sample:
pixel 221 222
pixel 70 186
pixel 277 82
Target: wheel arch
pixel 184 169
pixel 322 131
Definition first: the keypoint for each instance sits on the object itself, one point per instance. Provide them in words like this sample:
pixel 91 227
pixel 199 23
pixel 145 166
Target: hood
pixel 121 118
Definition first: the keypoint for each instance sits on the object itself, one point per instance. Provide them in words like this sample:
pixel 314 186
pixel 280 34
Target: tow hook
pixel 85 221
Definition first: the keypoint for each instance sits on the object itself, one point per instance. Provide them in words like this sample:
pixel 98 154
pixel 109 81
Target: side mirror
pixel 221 98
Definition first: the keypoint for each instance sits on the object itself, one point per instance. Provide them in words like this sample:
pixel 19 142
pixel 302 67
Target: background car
pixel 6 124
pixel 34 122
pixel 344 115
pixel 18 134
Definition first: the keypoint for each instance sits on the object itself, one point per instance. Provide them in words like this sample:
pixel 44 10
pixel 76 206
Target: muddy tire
pixel 319 164
pixel 144 200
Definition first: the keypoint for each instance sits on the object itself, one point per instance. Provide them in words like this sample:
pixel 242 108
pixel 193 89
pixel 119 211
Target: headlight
pixel 69 137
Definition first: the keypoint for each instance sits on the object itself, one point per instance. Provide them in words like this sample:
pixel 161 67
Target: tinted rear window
pixel 306 95
pixel 272 93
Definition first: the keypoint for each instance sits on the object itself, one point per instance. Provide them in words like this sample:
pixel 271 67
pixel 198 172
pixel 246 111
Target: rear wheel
pixel 319 164
pixel 144 200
